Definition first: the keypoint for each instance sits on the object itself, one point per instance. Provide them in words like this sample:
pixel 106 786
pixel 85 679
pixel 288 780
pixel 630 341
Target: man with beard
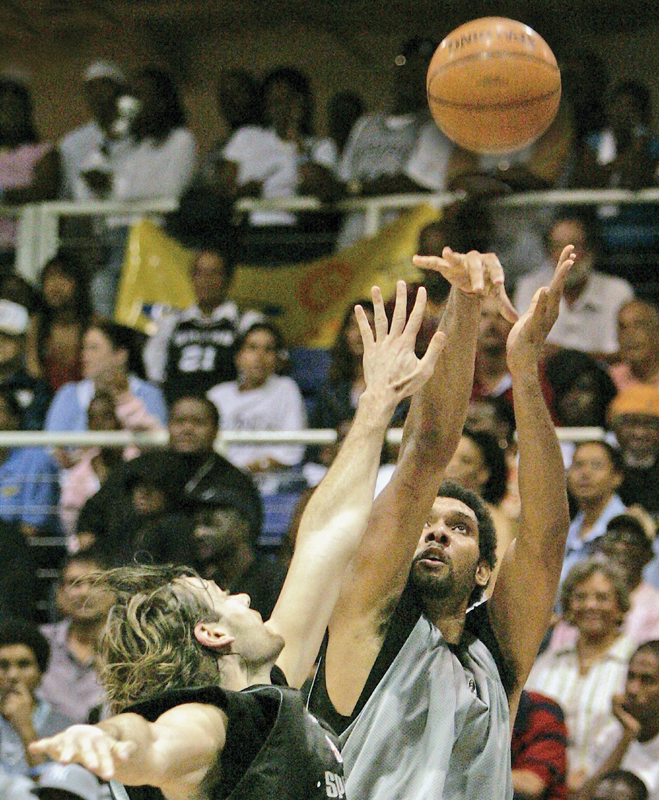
pixel 421 686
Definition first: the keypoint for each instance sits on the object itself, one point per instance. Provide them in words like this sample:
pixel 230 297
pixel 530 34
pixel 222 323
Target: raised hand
pixel 390 364
pixel 527 337
pixel 631 725
pixel 87 745
pixel 472 273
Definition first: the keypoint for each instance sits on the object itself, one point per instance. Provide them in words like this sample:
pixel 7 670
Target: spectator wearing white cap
pixel 85 151
pixel 67 782
pixel 32 394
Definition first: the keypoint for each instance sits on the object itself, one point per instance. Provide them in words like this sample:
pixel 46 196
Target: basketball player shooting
pixel 244 734
pixel 421 682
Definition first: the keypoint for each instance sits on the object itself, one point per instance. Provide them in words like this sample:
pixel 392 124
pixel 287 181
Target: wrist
pixel 375 408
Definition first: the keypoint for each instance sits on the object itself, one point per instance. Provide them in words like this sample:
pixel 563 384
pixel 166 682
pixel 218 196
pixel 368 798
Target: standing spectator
pixel 261 400
pixel 70 684
pixel 632 739
pixel 637 361
pixel 32 394
pixel 593 479
pixel 539 746
pixel 109 362
pixel 588 317
pixel 28 477
pixel 29 170
pixel 194 349
pixel 584 676
pixel 402 151
pixel 54 350
pixel 24 715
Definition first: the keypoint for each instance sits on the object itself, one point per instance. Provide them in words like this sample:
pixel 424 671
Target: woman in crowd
pixel 111 362
pixel 54 347
pixel 29 169
pixel 583 676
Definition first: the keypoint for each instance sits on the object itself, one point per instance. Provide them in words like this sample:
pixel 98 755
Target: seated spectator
pixel 637 361
pixel 634 418
pixel 189 468
pixel 221 547
pixel 29 170
pixel 93 468
pixel 626 545
pixel 582 389
pixel 70 684
pixel 538 749
pixel 28 477
pixel 593 479
pixel 631 741
pixel 193 350
pixel 24 715
pixel 491 375
pixel 55 337
pixel 591 300
pixel 261 400
pixel 401 151
pixel 584 676
pixel 32 394
pixel 157 161
pixel 619 784
pixel 343 110
pixel 109 362
pixel 68 782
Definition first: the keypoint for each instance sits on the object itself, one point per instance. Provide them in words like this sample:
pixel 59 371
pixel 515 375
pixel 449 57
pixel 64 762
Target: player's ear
pixel 210 634
pixel 483 573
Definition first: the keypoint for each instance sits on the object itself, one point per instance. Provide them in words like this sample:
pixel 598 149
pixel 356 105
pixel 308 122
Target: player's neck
pixel 449 618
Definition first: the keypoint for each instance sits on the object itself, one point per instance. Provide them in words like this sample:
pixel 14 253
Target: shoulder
pixel 616 287
pixel 479 625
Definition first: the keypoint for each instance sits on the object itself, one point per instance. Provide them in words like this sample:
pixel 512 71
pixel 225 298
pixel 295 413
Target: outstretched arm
pixel 525 591
pixel 335 518
pixel 174 753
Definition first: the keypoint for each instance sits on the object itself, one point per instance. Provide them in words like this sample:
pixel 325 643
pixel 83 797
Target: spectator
pixel 591 300
pixel 593 479
pixel 18 588
pixel 86 151
pixel 70 782
pixel 634 418
pixel 55 337
pixel 261 400
pixel 402 151
pixel 343 111
pixel 194 349
pixel 15 787
pixel 638 352
pixel 632 739
pixel 221 547
pixel 32 394
pixel 190 469
pixel 619 785
pixel 582 389
pixel 29 170
pixel 70 684
pixel 584 676
pixel 94 467
pixel 109 362
pixel 491 375
pixel 538 746
pixel 24 715
pixel 28 477
pixel 626 544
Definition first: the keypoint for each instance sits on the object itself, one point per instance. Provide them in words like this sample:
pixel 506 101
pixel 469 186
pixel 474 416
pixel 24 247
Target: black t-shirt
pixel 274 749
pixel 401 624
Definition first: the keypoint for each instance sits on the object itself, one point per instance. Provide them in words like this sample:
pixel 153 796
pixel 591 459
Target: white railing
pixel 38 231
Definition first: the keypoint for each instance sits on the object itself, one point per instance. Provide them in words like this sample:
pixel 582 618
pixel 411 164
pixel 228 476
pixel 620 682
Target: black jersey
pixel 274 750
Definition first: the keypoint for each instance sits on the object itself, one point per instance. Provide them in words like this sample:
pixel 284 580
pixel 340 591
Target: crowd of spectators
pixel 589 724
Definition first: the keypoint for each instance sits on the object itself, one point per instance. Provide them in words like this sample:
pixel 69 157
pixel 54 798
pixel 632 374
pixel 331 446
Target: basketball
pixel 493 85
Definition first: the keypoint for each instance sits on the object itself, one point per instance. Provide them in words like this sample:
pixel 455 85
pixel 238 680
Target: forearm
pixel 140 766
pixel 613 761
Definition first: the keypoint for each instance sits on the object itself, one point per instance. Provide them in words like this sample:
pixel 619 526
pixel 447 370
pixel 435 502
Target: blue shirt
pixel 12 753
pixel 29 487
pixel 68 411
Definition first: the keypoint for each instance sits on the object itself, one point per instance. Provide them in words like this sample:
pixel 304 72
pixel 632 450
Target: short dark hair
pixel 90 555
pixel 627 528
pixel 122 337
pixel 613 452
pixel 301 85
pixel 639 791
pixel 583 216
pixel 640 93
pixel 651 646
pixel 487 534
pixel 208 404
pixel 495 463
pixel 18 631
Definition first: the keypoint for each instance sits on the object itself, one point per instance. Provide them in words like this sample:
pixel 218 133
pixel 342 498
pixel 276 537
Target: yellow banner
pixel 307 300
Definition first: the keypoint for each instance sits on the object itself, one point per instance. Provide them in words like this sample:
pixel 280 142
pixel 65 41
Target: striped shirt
pixel 585 699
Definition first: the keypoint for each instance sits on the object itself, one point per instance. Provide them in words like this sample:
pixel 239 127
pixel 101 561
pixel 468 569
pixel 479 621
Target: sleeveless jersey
pixel 433 720
pixel 274 750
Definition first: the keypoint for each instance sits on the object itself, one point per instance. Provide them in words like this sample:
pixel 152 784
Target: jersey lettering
pixel 334 786
pixel 195 358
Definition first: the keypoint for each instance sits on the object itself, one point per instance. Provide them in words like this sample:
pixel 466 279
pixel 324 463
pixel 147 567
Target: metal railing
pixel 38 229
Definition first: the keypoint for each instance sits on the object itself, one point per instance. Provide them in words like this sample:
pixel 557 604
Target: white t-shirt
pixel 641 758
pixel 275 406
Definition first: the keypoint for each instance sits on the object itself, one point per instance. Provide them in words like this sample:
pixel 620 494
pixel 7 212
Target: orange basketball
pixel 493 85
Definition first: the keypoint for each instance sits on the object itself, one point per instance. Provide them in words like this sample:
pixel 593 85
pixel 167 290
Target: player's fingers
pixel 493 269
pixel 381 325
pixel 430 262
pixel 364 328
pixel 506 308
pixel 435 347
pixel 476 271
pixel 416 317
pixel 400 310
